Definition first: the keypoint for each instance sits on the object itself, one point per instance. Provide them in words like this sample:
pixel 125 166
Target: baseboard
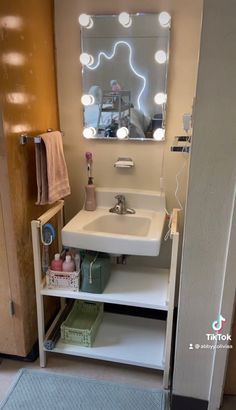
pixel 187 403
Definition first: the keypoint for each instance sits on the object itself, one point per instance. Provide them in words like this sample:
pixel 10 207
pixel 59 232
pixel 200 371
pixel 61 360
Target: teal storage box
pixel 95 272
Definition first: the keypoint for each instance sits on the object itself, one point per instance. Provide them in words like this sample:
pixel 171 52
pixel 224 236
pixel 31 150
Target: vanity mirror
pixel 124 63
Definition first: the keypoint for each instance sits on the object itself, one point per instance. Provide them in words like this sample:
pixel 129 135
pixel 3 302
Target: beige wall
pixel 185 38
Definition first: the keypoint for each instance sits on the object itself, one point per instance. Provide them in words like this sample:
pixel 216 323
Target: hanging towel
pixel 51 170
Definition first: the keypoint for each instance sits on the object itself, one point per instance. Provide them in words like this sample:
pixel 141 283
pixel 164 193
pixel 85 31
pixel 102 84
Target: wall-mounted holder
pixel 25 138
pixel 181 148
pixel 124 162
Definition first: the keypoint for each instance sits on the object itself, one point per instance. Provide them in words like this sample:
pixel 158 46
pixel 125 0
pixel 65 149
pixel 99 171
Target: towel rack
pixel 25 138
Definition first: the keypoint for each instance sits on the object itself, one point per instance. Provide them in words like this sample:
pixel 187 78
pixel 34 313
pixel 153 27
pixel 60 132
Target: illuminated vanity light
pixel 159 134
pixel 89 132
pixel 122 133
pixel 87 99
pixel 86 59
pixel 160 98
pixel 13 58
pixel 124 19
pixel 164 19
pixel 160 56
pixel 85 20
pixel 131 64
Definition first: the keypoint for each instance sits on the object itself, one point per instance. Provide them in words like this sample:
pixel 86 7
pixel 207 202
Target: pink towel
pixel 51 170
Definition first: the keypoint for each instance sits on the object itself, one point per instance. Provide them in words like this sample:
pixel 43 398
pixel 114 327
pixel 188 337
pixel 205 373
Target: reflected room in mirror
pixel 124 63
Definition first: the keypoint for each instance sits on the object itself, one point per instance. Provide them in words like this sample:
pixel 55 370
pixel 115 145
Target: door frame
pixel 226 307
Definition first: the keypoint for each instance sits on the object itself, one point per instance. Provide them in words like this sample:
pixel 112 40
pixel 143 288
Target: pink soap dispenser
pixel 90 189
pixel 68 265
pixel 56 263
pixel 90 196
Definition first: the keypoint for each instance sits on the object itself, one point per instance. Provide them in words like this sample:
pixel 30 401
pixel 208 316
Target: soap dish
pixel 124 162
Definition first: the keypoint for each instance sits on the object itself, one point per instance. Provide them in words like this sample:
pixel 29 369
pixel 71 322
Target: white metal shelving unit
pixel 121 338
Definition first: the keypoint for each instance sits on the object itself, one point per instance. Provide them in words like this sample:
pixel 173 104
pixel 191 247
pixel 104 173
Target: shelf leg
pixel 35 225
pixel 170 314
pixel 60 223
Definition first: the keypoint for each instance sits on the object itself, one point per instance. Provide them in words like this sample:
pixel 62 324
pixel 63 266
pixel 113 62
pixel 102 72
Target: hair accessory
pixel 89 159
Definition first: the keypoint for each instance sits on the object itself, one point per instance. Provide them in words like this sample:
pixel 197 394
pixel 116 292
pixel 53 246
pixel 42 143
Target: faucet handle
pixel 120 198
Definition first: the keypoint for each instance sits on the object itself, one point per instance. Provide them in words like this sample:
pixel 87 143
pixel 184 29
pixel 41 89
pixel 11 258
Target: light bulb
pixel 89 132
pixel 87 99
pixel 122 133
pixel 86 59
pixel 124 19
pixel 160 98
pixel 85 20
pixel 164 19
pixel 160 56
pixel 159 134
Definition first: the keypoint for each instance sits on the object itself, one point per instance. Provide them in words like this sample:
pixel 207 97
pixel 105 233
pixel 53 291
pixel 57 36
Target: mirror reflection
pixel 124 70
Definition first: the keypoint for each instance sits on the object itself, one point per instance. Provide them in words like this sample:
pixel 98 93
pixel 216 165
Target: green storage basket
pixel 95 272
pixel 82 323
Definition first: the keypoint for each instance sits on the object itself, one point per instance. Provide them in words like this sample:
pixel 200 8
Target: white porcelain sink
pixel 114 224
pixel 130 234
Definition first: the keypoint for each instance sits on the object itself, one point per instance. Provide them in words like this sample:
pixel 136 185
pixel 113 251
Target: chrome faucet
pixel 120 208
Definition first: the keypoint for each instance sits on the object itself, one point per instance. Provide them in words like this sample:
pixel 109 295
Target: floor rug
pixel 40 390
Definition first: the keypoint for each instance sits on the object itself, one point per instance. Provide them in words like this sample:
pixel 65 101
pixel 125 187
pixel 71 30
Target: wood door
pixel 7 328
pixel 7 334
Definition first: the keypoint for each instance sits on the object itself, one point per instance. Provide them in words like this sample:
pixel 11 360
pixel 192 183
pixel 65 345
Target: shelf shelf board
pixel 128 285
pixel 123 108
pixel 124 339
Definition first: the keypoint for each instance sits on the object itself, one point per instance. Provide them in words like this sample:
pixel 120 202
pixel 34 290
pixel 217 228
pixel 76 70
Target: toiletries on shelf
pixel 56 263
pixel 64 270
pixel 77 262
pixel 68 265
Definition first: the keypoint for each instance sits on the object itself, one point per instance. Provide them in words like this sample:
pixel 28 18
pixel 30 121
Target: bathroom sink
pixel 129 234
pixel 120 224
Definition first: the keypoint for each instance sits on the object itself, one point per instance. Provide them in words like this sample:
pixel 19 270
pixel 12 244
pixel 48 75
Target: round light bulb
pixel 87 99
pixel 159 134
pixel 160 56
pixel 125 19
pixel 85 20
pixel 160 98
pixel 122 133
pixel 86 59
pixel 164 19
pixel 89 132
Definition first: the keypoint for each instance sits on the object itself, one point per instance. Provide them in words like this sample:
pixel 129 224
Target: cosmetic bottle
pixel 90 196
pixel 68 265
pixel 77 262
pixel 56 263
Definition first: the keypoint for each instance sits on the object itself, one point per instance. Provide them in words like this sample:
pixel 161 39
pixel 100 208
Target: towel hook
pixel 46 230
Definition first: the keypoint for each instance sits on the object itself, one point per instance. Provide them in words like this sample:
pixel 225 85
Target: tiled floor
pixel 84 368
pixel 229 403
pixel 91 369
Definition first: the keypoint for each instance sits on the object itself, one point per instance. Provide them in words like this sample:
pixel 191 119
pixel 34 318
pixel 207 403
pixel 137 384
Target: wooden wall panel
pixel 29 104
pixel 7 338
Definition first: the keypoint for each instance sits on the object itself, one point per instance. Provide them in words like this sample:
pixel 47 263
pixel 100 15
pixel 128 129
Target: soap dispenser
pixel 90 196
